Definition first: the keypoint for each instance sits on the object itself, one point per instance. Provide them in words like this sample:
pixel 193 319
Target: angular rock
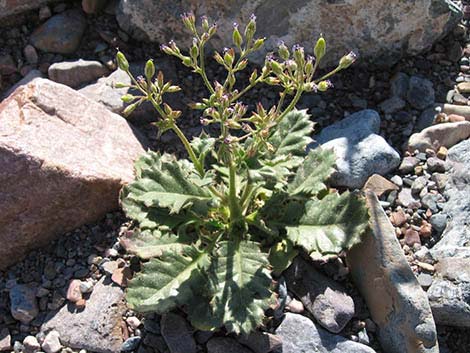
pixel 425 119
pixel 261 342
pixel 454 269
pixel 177 334
pixel 299 334
pixel 225 345
pixel 97 328
pixel 433 137
pixel 450 302
pixel 23 303
pixel 359 150
pixel 379 185
pixel 397 303
pixel 51 342
pixel 76 73
pixel 61 34
pixel 64 160
pixel 399 85
pixel 93 6
pixel 455 241
pixel 392 105
pixel 325 299
pixel 295 22
pixel 74 294
pixel 408 164
pixel 5 340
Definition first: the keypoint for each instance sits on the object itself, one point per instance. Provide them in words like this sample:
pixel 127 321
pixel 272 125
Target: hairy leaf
pixel 314 171
pixel 166 183
pixel 330 225
pixel 240 283
pixel 292 134
pixel 281 255
pixel 203 146
pixel 165 282
pixel 148 244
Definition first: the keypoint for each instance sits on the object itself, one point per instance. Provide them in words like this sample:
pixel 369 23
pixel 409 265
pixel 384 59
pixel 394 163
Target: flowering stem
pixel 202 70
pixel 338 69
pixel 291 106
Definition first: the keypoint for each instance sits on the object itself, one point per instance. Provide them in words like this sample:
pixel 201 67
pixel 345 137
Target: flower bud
pixel 187 61
pixel 119 85
pixel 324 85
pixel 309 66
pixel 166 49
pixel 130 108
pixel 250 28
pixel 197 106
pixel 189 21
pixel 236 36
pixel 283 51
pixel 128 98
pixel 253 76
pixel 194 51
pixel 212 30
pixel 160 79
pixel 258 43
pixel 320 48
pixel 173 89
pixel 229 57
pixel 309 87
pixel 291 65
pixel 299 55
pixel 242 65
pixel 149 70
pixel 122 62
pixel 218 58
pixel 347 60
pixel 276 67
pixel 205 23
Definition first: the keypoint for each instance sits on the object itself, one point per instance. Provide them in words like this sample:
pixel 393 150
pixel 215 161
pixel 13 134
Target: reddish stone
pixel 121 276
pixel 412 237
pixel 398 218
pixel 64 159
pixel 81 304
pixel 425 230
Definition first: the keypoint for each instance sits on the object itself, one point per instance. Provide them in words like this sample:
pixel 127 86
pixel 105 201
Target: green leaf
pixel 292 134
pixel 314 171
pixel 330 225
pixel 164 182
pixel 148 244
pixel 165 282
pixel 202 146
pixel 281 255
pixel 240 283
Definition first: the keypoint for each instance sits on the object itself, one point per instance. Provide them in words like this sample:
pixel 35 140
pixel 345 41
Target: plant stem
pixel 331 73
pixel 291 106
pixel 203 69
pixel 187 145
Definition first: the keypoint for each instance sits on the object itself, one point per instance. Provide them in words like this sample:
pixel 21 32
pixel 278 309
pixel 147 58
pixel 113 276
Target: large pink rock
pixel 63 160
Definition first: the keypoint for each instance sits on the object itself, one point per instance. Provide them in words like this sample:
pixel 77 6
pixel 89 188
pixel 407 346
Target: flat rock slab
pixel 435 136
pixel 300 335
pixel 396 301
pixel 301 21
pixel 98 327
pixel 325 299
pixel 64 160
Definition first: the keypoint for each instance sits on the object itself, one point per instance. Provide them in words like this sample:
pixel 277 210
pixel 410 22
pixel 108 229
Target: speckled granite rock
pixel 64 159
pixel 299 20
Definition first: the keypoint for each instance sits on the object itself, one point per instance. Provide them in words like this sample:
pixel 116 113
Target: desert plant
pixel 215 227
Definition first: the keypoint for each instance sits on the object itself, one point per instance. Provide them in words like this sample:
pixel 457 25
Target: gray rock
pixel 76 73
pixel 177 334
pixel 408 165
pixel 96 328
pixel 430 201
pixel 392 105
pixel 406 199
pixel 436 165
pixel 61 34
pixel 24 306
pixel 261 342
pixel 51 342
pixel 130 344
pixel 420 93
pixel 438 222
pixel 455 240
pixel 296 22
pixel 299 334
pixel 359 150
pixel 396 301
pixel 325 299
pixel 425 280
pixel 450 302
pixel 225 345
pixel 418 185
